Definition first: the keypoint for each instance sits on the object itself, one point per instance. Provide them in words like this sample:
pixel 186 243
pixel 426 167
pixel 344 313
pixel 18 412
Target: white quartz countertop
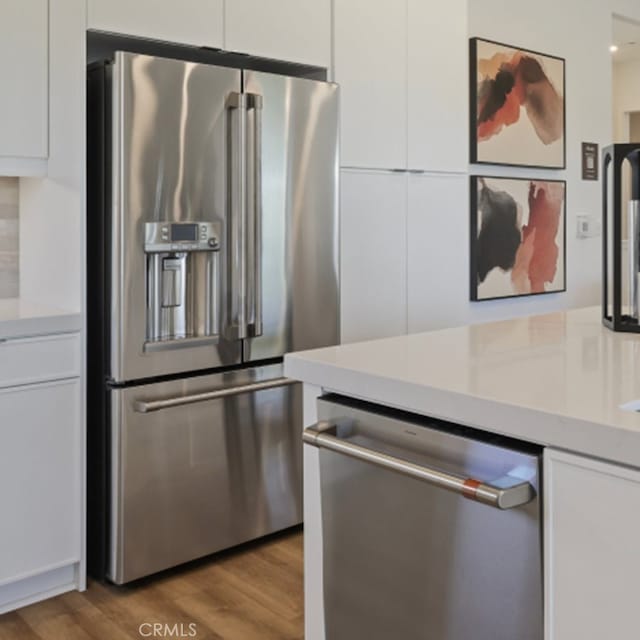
pixel 557 379
pixel 22 318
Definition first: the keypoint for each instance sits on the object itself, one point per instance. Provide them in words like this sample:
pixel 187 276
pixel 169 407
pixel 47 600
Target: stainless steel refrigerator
pixel 213 251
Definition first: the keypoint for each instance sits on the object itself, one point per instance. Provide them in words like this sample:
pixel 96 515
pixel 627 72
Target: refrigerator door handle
pixel 503 493
pixel 237 327
pixel 147 406
pixel 254 200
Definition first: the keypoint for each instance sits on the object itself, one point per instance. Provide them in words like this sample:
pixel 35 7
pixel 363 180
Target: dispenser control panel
pixel 171 237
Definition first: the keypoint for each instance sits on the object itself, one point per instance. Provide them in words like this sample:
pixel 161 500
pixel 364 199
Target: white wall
pixel 626 96
pixel 626 76
pixel 626 8
pixel 552 27
pixel 52 209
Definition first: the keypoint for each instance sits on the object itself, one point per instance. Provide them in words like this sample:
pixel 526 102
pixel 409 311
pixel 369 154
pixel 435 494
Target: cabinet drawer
pixel 27 360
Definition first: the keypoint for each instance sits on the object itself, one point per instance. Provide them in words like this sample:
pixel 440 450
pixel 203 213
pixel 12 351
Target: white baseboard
pixel 36 588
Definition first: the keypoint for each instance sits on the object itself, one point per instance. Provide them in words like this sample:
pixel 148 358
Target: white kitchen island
pixel 560 380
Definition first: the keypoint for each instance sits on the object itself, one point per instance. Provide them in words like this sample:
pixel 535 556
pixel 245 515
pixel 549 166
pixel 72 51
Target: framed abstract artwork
pixel 518 113
pixel 518 237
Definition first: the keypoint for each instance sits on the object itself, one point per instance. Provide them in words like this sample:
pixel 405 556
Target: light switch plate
pixel 588 226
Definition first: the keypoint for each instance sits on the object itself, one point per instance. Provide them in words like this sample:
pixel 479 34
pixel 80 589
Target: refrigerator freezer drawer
pixel 200 465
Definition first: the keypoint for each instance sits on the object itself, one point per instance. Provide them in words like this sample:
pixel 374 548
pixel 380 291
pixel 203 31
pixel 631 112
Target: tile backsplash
pixel 9 246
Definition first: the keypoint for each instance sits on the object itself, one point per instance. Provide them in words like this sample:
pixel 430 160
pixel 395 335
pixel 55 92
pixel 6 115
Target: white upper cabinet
pixel 438 93
pixel 24 27
pixel 370 63
pixel 194 22
pixel 292 30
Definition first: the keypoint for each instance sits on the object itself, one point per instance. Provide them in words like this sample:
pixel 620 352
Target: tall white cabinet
pixel 403 69
pixel 373 239
pixel 438 93
pixel 370 63
pixel 24 127
pixel 438 242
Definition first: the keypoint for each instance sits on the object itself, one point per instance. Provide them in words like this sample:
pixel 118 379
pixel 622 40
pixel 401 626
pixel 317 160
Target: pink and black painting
pixel 518 237
pixel 517 106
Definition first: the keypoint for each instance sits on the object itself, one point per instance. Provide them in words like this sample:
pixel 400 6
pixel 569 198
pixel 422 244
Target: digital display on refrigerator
pixel 184 232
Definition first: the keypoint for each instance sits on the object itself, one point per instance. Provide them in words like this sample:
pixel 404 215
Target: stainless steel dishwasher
pixel 430 531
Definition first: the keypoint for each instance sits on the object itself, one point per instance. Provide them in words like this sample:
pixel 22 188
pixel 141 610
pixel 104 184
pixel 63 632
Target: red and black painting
pixel 518 231
pixel 517 106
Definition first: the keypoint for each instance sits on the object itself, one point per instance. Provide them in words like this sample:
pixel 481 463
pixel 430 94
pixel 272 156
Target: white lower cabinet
pixel 373 270
pixel 40 481
pixel 592 548
pixel 41 470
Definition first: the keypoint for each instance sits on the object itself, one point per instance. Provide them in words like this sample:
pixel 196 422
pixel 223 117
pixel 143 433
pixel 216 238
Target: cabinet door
pixel 24 71
pixel 438 93
pixel 293 30
pixel 370 58
pixel 592 563
pixel 373 269
pixel 40 478
pixel 438 250
pixel 195 22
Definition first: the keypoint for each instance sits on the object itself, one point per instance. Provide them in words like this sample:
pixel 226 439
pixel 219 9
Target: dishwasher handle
pixel 515 493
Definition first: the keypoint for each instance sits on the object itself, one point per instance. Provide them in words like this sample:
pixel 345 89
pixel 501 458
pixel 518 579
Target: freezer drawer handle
pixel 514 493
pixel 144 406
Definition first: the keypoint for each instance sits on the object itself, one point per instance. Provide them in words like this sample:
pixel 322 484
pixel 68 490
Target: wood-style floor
pixel 252 593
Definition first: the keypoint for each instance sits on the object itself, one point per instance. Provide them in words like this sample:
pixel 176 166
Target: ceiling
pixel 626 36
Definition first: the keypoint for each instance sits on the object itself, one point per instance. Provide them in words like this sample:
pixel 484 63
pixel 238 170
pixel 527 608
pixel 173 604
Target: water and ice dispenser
pixel 183 283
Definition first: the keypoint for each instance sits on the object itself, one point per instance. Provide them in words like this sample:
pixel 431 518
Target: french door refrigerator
pixel 212 251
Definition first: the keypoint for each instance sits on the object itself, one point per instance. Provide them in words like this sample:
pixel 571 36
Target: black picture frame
pixel 473 106
pixel 473 237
